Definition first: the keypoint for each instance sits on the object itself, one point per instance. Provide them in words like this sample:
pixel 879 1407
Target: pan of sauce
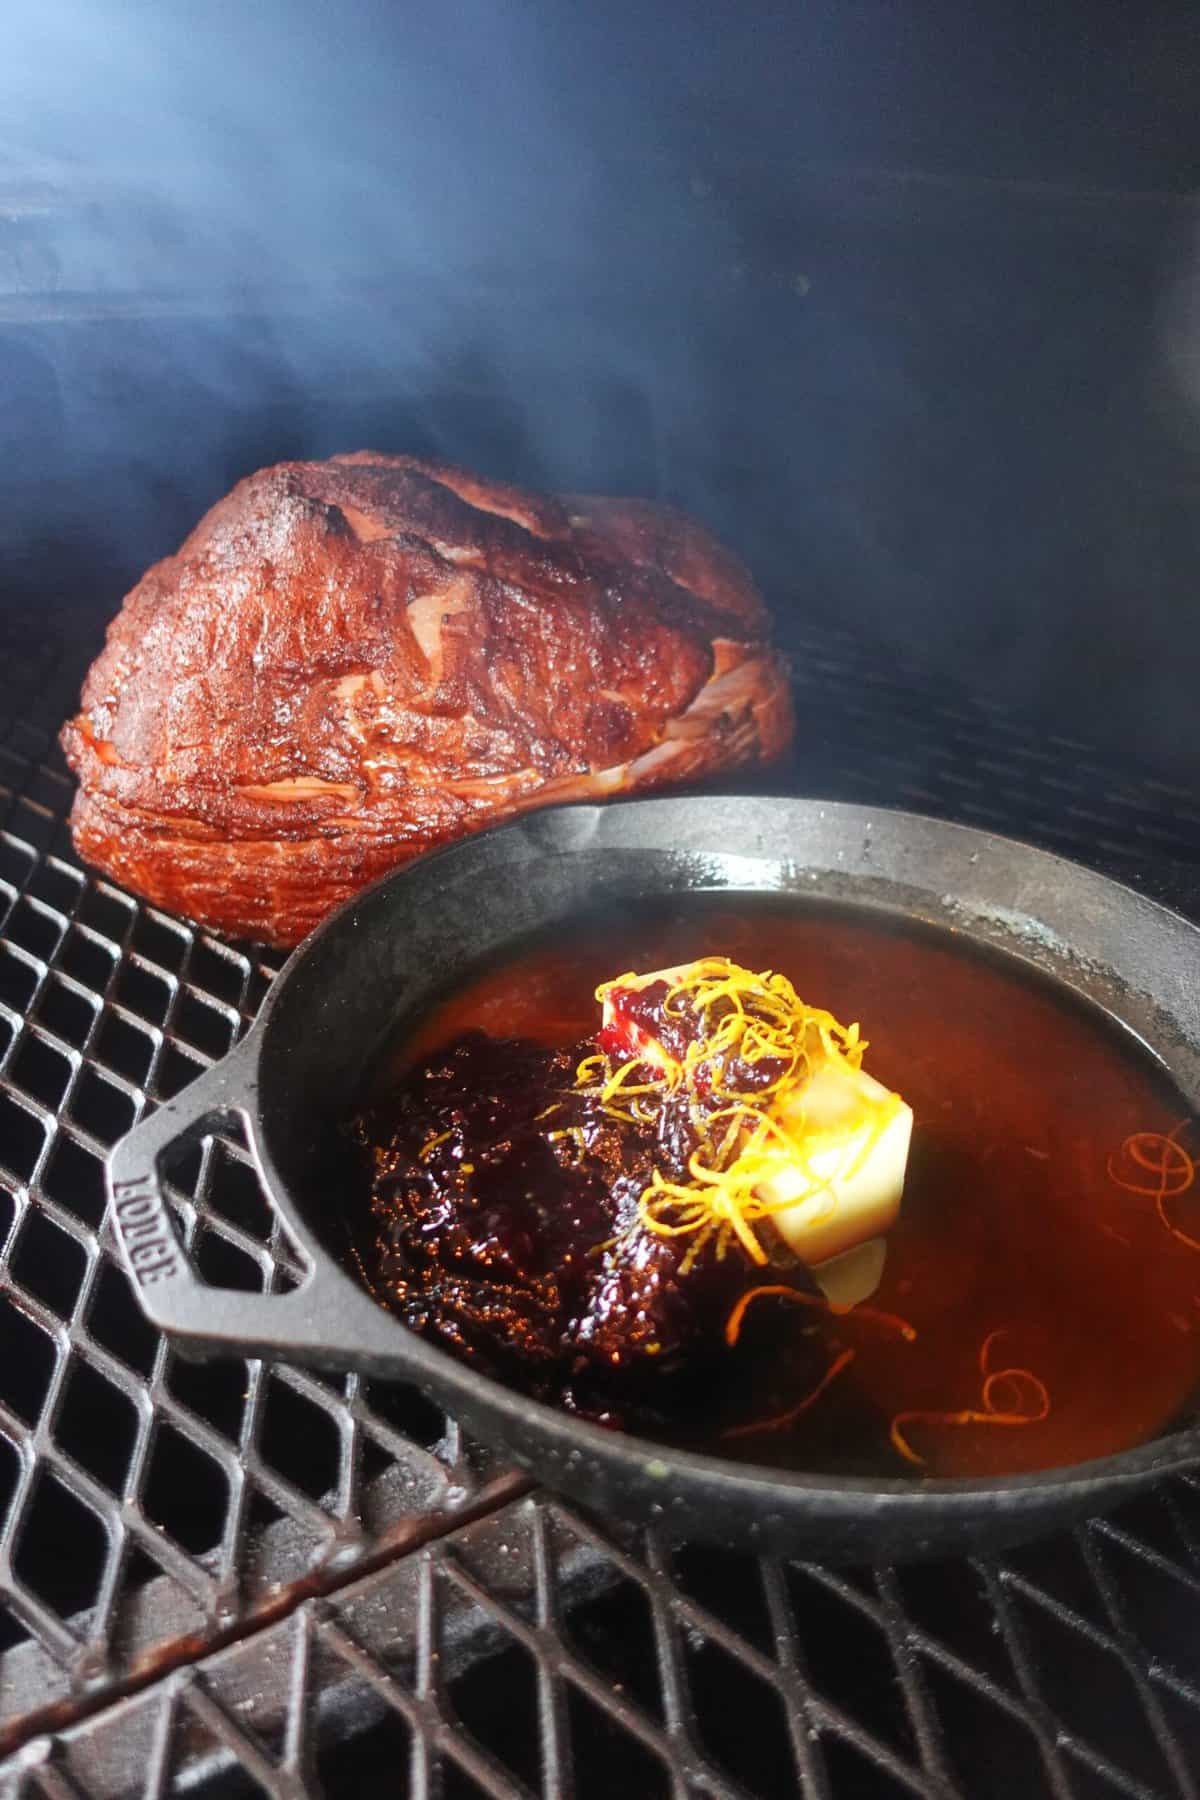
pixel 1031 1349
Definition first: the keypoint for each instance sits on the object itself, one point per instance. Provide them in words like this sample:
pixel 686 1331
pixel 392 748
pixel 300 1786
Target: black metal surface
pixel 1068 1669
pixel 537 1651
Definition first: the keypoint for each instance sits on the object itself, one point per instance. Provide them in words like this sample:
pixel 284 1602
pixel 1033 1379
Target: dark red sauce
pixel 1010 1223
pixel 504 1222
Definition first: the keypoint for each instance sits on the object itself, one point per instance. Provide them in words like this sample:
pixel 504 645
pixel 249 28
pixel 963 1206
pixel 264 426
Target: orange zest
pixel 1008 1397
pixel 741 1019
pixel 781 1421
pixel 1172 1170
pixel 733 1324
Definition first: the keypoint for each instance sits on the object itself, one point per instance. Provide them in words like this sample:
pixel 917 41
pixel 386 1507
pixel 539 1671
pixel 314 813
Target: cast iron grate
pixel 537 1652
pixel 152 1509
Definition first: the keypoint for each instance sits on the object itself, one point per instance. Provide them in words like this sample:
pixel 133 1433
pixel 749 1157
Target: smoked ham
pixel 354 661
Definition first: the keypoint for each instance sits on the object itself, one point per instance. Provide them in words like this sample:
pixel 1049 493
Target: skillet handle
pixel 168 1288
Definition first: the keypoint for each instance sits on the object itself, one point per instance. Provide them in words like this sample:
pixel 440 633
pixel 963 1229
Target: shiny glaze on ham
pixel 351 662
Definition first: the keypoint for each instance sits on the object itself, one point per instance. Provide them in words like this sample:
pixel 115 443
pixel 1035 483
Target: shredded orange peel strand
pixel 781 1421
pixel 1008 1397
pixel 1162 1156
pixel 741 1018
pixel 872 1314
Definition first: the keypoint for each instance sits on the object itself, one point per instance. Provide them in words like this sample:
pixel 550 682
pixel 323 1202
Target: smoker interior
pixel 240 1577
pixel 949 418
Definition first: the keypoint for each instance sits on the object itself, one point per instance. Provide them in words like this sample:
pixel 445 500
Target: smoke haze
pixel 634 248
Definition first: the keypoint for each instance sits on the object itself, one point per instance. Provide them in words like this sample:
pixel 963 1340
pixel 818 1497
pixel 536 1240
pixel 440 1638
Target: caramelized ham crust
pixel 351 662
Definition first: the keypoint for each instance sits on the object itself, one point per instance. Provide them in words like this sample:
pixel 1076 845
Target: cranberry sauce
pixel 504 1222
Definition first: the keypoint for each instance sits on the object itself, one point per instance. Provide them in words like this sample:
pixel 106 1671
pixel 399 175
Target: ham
pixel 351 662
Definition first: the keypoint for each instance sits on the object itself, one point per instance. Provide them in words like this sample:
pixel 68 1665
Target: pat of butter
pixel 849 1279
pixel 849 1187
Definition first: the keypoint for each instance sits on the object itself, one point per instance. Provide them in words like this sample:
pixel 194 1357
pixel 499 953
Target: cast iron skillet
pixel 383 956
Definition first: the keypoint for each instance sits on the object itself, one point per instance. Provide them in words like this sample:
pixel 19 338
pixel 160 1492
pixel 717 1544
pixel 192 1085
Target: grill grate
pixel 151 1504
pixel 536 1651
pixel 157 1513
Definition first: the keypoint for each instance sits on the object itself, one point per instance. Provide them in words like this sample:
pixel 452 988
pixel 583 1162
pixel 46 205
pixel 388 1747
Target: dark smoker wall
pixel 904 299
